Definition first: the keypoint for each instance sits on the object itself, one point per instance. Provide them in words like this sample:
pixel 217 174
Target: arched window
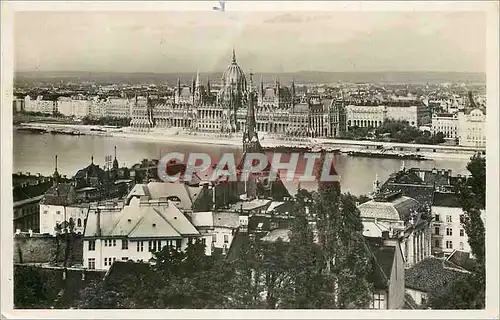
pixel 79 223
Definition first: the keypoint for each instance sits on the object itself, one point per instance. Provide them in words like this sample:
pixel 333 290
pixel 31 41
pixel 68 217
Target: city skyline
pixel 168 42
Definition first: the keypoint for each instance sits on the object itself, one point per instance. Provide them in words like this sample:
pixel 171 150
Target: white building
pixel 73 107
pixel 389 213
pixel 39 105
pixel 117 107
pixel 375 115
pixel 365 116
pixel 134 232
pixel 52 215
pixel 448 233
pixel 446 124
pixel 409 114
pixel 97 107
pixel 217 229
pixel 472 129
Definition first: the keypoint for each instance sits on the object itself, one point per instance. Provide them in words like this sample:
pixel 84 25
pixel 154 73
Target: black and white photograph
pixel 250 156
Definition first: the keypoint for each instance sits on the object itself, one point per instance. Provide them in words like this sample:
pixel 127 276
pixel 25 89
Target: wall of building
pixel 447 220
pixel 472 129
pixel 46 249
pixel 27 215
pixel 50 215
pixel 403 113
pixel 397 280
pixel 418 296
pixel 103 251
pixel 448 125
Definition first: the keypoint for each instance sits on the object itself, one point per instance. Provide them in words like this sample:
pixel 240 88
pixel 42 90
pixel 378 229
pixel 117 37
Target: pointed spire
pixel 250 81
pixel 208 86
pixel 56 175
pixel 115 162
pixel 233 60
pixel 197 84
pixel 92 159
pixel 178 86
pixel 250 136
pixel 261 86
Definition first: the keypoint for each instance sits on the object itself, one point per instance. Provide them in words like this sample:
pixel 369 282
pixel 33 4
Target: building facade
pixel 446 124
pixel 39 105
pixel 134 231
pixel 472 128
pixel 197 107
pixel 73 107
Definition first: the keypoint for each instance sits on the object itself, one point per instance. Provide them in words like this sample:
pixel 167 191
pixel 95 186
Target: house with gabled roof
pixel 431 276
pixel 134 231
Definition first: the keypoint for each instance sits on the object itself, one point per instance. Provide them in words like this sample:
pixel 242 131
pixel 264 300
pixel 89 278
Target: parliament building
pixel 279 110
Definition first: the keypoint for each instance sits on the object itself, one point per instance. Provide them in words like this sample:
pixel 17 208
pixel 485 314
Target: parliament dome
pixel 234 75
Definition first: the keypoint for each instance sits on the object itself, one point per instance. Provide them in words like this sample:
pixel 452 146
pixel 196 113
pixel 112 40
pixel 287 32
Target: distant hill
pixel 285 78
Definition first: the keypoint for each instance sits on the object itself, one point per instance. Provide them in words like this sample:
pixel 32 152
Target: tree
pixel 469 292
pixel 305 262
pixel 29 288
pixel 348 263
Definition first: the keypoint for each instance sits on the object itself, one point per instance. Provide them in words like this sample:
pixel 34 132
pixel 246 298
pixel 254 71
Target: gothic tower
pixel 250 138
pixel 55 176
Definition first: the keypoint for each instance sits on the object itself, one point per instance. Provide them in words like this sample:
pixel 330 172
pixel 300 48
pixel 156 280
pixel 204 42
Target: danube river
pixel 35 153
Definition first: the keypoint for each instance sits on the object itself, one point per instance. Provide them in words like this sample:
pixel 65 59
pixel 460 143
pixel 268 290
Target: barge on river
pixel 387 155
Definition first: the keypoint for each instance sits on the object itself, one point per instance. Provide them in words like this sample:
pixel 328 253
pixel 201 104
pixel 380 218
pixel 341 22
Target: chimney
pixel 98 222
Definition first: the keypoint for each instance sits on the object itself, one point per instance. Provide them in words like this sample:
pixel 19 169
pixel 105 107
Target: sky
pixel 170 41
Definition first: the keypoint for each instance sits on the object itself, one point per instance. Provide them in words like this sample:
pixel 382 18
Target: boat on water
pixel 387 155
pixel 288 149
pixel 32 130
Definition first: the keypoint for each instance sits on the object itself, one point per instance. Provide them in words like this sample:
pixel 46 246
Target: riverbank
pixel 179 135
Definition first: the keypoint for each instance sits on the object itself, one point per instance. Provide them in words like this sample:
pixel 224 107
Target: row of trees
pixel 394 131
pixel 300 273
pixel 110 121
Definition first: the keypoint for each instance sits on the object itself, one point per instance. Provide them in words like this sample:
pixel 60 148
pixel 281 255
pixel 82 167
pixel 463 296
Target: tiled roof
pixel 157 190
pixel 202 219
pixel 461 259
pixel 226 219
pixel 446 200
pixel 138 220
pixel 59 194
pixel 383 259
pixel 251 205
pixel 280 207
pixel 397 209
pixel 273 236
pixel 31 191
pixel 421 193
pixel 431 275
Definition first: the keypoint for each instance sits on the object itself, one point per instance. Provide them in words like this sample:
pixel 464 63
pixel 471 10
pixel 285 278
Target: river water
pixel 35 153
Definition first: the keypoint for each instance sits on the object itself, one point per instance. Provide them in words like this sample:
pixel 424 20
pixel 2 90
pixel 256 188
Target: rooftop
pixel 395 207
pixel 432 274
pixel 140 220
